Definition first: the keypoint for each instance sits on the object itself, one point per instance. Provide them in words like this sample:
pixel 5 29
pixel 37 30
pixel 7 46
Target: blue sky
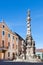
pixel 14 12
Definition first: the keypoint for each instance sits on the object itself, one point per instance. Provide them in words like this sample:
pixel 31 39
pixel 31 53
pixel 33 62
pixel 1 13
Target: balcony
pixel 3 48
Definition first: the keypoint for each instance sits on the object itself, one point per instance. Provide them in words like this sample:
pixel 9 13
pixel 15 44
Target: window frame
pixel 8 35
pixel 13 37
pixel 3 33
pixel 13 45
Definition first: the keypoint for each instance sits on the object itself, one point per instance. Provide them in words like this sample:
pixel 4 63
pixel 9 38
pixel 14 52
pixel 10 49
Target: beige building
pixel 10 42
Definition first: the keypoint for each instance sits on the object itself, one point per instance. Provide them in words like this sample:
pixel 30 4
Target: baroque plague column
pixel 30 44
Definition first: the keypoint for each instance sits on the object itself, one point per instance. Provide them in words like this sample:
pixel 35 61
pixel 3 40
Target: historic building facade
pixel 10 42
pixel 13 46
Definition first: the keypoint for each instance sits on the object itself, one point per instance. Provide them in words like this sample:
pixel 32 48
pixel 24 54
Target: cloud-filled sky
pixel 14 12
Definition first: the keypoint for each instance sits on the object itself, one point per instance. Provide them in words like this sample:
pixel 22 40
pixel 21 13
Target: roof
pixel 3 22
pixel 39 50
pixel 12 32
pixel 19 36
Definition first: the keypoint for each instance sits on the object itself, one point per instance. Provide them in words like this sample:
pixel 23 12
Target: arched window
pixel 3 32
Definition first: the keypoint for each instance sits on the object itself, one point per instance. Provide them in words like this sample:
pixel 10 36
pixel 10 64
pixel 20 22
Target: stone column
pixel 28 24
pixel 28 37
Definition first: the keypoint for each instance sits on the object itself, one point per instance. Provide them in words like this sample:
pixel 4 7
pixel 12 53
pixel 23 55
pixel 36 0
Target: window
pixel 2 43
pixel 8 44
pixel 8 35
pixel 13 45
pixel 16 39
pixel 3 33
pixel 13 37
pixel 8 54
pixel 3 26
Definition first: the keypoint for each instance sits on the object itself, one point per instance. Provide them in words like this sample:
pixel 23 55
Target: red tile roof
pixel 39 50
